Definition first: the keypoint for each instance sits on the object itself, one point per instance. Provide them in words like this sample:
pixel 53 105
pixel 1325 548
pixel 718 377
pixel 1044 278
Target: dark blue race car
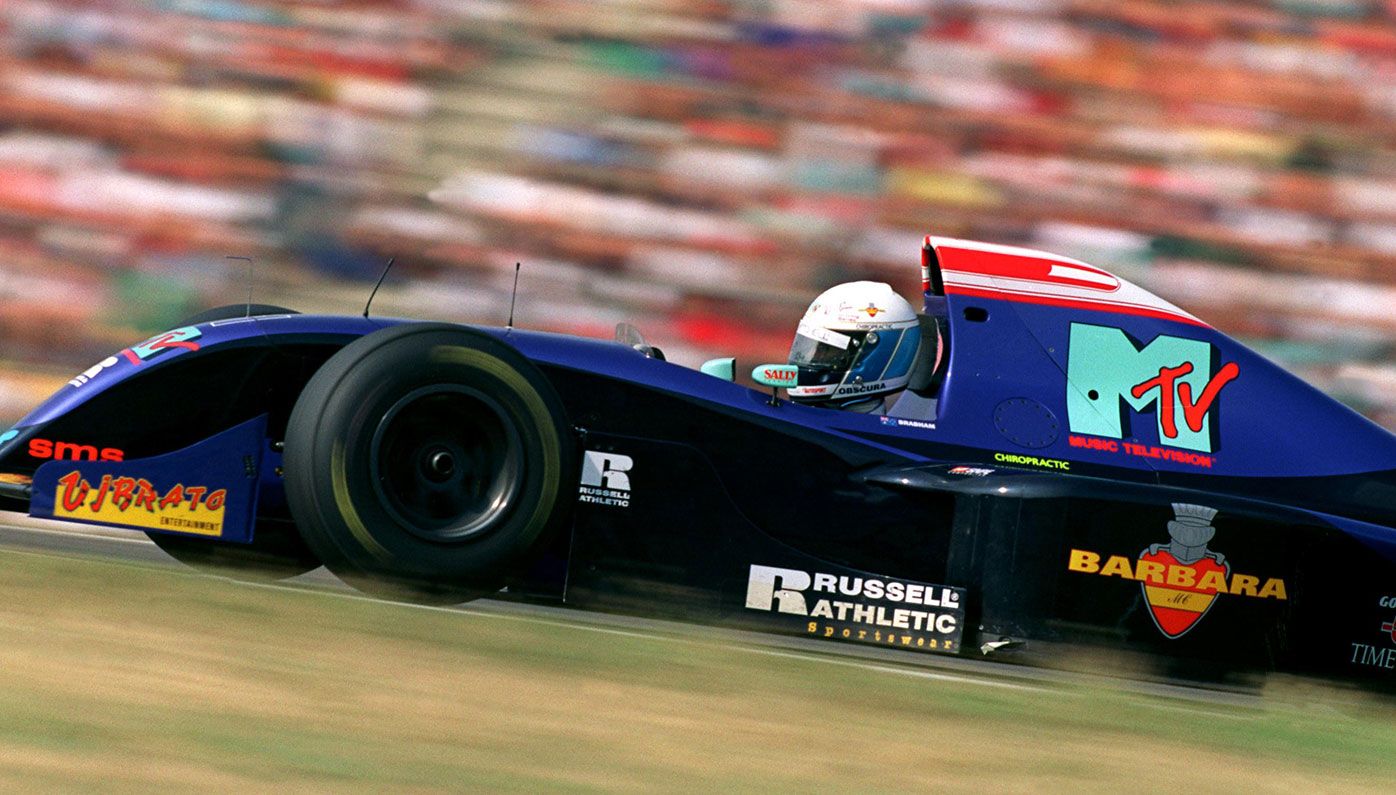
pixel 1081 464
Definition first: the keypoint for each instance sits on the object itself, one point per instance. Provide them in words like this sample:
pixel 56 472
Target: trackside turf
pixel 120 677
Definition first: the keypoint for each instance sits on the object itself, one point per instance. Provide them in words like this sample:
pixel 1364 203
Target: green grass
pixel 129 678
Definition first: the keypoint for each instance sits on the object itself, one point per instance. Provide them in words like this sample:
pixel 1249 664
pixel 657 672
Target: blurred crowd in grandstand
pixel 699 168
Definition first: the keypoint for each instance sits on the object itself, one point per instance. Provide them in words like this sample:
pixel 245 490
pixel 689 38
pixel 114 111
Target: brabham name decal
pixel 871 610
pixel 902 422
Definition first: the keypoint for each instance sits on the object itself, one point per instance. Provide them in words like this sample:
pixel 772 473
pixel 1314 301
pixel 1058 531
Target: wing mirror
pixel 776 376
pixel 724 368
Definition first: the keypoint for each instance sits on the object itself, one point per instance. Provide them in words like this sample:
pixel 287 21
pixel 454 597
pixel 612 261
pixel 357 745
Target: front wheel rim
pixel 447 463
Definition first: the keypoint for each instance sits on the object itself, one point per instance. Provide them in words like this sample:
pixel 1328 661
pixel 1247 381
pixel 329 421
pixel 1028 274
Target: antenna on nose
pixel 513 296
pixel 381 277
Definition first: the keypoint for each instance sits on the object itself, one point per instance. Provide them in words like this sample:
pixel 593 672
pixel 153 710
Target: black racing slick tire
pixel 277 551
pixel 428 462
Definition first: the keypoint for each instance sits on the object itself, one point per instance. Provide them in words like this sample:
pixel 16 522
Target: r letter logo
pixel 606 479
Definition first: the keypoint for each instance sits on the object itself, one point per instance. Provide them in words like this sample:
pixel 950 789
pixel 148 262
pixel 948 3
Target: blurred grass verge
pixel 122 677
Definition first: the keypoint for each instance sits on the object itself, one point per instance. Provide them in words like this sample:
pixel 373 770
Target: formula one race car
pixel 1075 463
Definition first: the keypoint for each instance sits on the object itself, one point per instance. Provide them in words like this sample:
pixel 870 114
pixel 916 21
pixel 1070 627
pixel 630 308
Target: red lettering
pixel 1149 451
pixel 156 344
pixel 168 340
pixel 195 493
pixel 101 493
pixel 173 497
pixel 44 448
pixel 1194 413
pixel 123 491
pixel 1167 376
pixel 76 452
pixel 1108 445
pixel 145 495
pixel 74 490
pixel 215 499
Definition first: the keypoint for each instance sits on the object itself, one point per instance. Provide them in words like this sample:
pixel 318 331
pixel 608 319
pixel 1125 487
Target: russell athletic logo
pixel 1178 378
pixel 867 609
pixel 606 479
pixel 1183 578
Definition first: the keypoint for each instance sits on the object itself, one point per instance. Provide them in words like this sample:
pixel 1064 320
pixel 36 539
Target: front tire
pixel 428 461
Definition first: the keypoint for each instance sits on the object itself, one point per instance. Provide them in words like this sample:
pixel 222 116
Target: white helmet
pixel 857 341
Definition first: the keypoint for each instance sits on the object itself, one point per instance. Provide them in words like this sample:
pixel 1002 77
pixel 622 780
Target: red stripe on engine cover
pixel 1099 306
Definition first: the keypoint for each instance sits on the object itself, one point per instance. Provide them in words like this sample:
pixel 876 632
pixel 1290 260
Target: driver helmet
pixel 856 342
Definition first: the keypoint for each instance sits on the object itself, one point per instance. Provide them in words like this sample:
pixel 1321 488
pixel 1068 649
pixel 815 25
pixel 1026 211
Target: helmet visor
pixel 820 348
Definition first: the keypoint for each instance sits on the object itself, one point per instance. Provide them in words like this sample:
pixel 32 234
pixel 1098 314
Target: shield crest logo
pixel 1194 574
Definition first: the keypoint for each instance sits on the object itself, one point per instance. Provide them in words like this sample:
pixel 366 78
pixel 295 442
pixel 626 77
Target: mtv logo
pixel 1107 372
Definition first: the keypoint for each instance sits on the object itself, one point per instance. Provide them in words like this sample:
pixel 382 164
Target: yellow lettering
pixel 1244 585
pixel 1181 576
pixel 1274 587
pixel 1213 581
pixel 1117 566
pixel 1150 571
pixel 1084 560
